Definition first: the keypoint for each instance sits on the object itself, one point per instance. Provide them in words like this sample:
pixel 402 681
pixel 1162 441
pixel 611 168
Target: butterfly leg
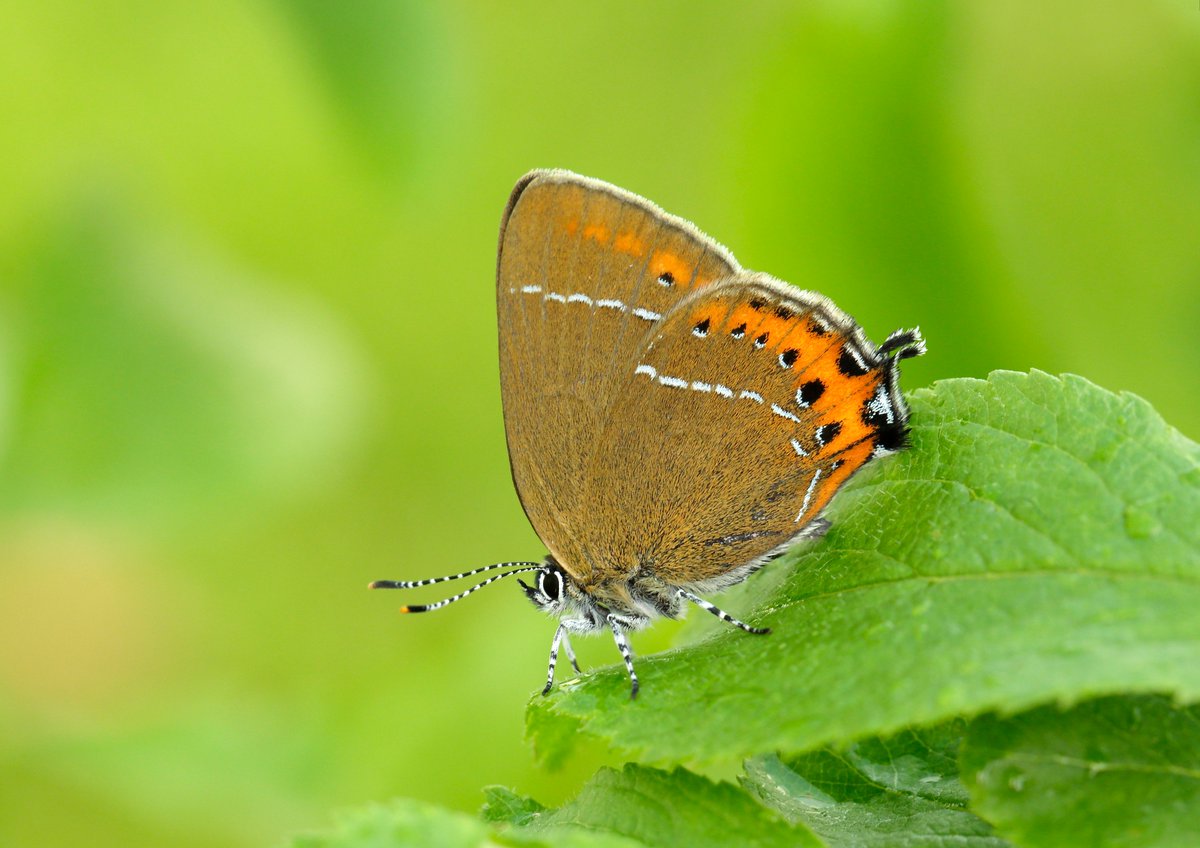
pixel 560 635
pixel 566 643
pixel 626 654
pixel 720 613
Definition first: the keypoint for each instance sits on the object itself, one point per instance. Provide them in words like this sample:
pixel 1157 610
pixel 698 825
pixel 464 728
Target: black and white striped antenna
pixel 517 568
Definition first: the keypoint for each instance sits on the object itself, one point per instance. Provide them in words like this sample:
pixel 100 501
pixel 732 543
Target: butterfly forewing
pixel 741 415
pixel 586 274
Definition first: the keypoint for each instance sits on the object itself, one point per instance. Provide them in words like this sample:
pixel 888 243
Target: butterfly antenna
pixel 415 584
pixel 408 584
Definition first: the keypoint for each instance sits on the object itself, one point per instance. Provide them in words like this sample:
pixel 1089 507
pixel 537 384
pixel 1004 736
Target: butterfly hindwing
pixel 741 415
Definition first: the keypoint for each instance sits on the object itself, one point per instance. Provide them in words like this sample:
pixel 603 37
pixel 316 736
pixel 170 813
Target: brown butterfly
pixel 674 421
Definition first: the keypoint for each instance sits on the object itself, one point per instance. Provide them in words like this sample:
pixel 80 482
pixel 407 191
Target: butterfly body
pixel 673 421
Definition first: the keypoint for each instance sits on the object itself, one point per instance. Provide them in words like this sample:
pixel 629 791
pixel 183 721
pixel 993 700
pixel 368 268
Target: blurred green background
pixel 247 341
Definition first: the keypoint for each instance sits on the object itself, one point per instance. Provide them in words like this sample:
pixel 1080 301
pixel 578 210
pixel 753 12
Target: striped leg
pixel 721 614
pixel 559 635
pixel 626 654
pixel 566 643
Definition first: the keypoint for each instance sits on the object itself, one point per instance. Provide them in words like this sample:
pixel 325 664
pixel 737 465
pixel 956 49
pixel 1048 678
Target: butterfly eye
pixel 550 583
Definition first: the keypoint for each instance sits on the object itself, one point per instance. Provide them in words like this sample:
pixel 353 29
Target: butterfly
pixel 673 421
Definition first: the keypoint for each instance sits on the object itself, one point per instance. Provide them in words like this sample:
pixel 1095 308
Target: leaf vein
pixel 1097 766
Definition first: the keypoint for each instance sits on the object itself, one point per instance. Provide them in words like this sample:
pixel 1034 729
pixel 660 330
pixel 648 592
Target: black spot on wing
pixel 850 363
pixel 826 433
pixel 810 392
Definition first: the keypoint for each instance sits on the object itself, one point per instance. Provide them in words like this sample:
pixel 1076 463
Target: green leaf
pixel 503 806
pixel 633 808
pixel 902 792
pixel 643 806
pixel 1121 771
pixel 400 823
pixel 1038 542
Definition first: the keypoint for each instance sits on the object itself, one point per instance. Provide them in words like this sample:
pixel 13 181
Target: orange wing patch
pixel 629 243
pixel 811 346
pixel 743 321
pixel 771 330
pixel 838 385
pixel 598 233
pixel 670 269
pixel 626 242
pixel 847 410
